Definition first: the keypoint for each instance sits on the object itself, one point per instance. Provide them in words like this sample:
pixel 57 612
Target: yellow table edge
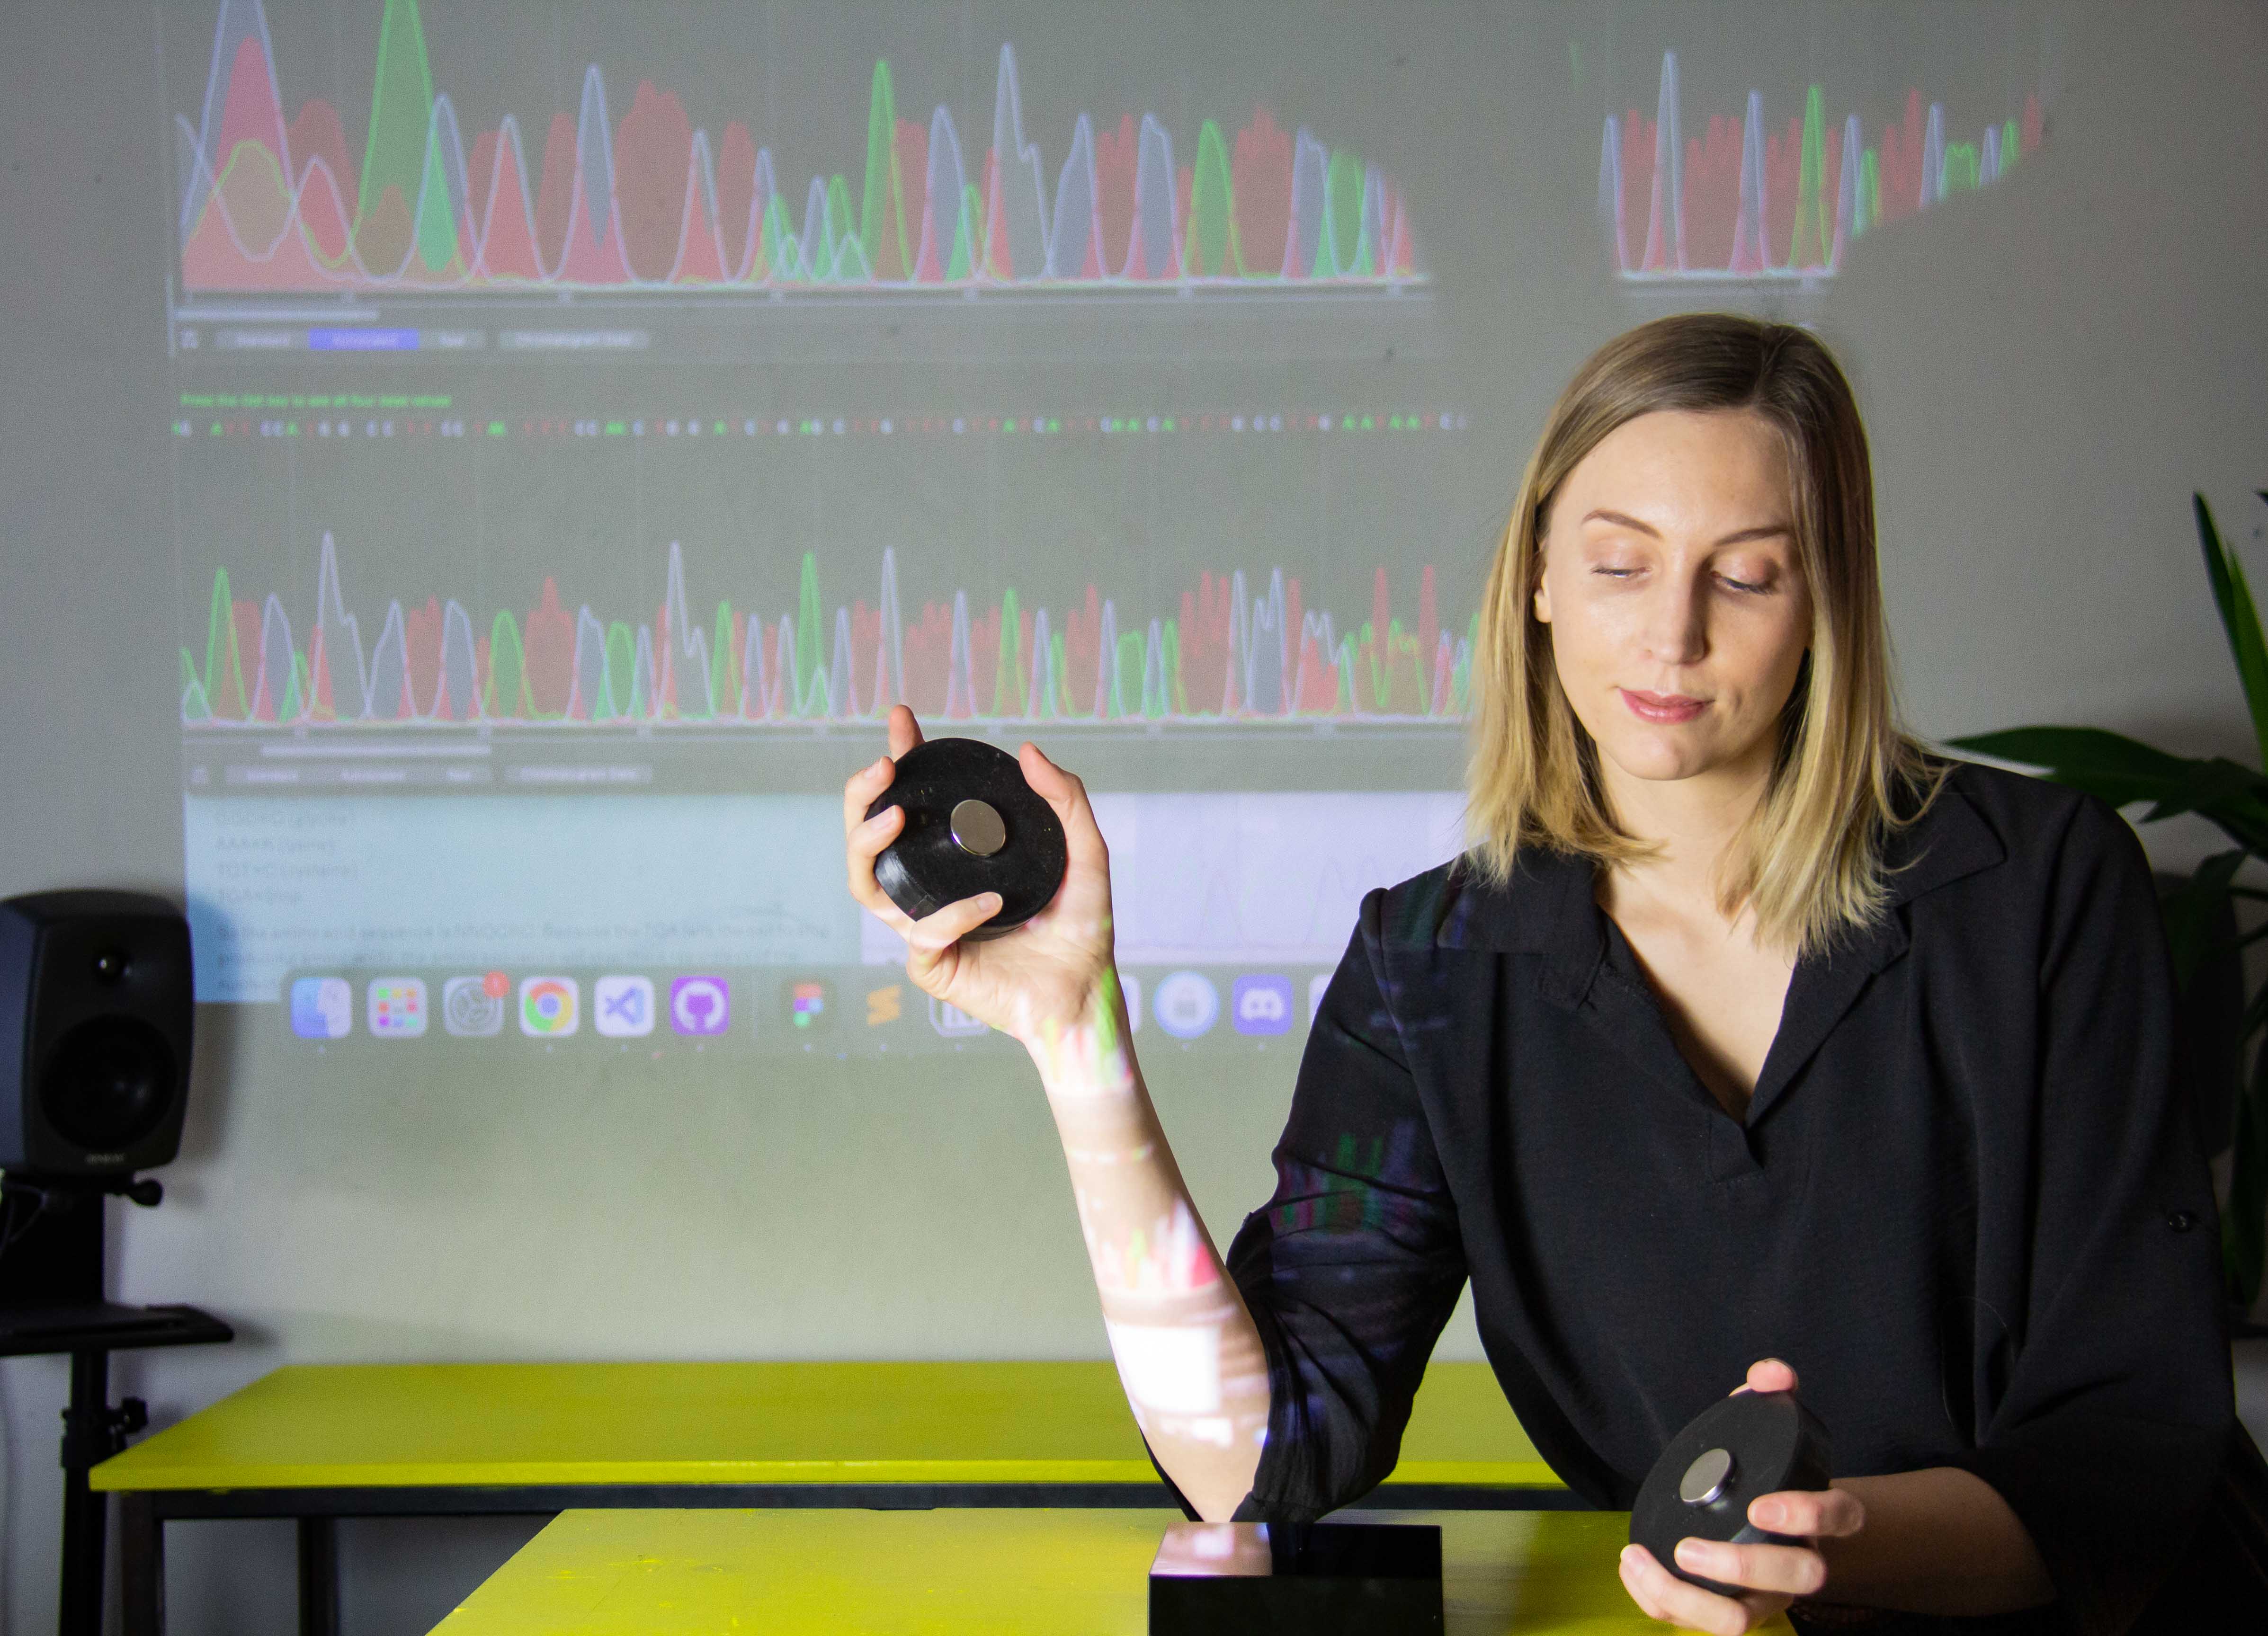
pixel 112 1478
pixel 1011 1571
pixel 309 1396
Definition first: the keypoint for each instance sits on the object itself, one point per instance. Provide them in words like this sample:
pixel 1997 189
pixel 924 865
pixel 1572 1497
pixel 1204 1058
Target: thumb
pixel 1769 1374
pixel 1046 779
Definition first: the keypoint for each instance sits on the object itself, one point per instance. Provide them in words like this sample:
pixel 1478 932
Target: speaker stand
pixel 51 1301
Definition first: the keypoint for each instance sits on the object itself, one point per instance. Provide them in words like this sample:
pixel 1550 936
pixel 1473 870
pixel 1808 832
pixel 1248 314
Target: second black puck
pixel 1746 1446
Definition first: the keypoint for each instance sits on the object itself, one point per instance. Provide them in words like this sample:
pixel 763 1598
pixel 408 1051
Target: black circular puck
pixel 1748 1445
pixel 972 824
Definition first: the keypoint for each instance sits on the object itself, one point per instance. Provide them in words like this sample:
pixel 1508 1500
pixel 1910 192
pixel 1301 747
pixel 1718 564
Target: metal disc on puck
pixel 972 824
pixel 1742 1448
pixel 1704 1480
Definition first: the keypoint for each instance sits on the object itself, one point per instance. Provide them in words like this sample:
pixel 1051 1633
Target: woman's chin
pixel 1658 758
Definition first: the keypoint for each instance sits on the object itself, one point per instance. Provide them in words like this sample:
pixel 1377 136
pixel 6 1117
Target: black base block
pixel 1318 1578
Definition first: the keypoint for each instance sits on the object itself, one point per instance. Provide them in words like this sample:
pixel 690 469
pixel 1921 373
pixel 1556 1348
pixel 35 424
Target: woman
pixel 1745 1031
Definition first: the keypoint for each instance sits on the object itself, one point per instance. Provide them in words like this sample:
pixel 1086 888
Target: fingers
pixel 865 837
pixel 868 836
pixel 1663 1596
pixel 905 732
pixel 1067 794
pixel 1060 789
pixel 860 788
pixel 1768 1374
pixel 1824 1513
pixel 934 934
pixel 1790 1570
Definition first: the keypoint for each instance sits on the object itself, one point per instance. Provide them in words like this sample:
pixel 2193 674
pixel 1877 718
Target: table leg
pixel 141 1564
pixel 319 1576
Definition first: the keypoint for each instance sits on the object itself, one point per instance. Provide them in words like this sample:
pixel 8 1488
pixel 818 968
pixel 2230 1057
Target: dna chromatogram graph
pixel 1740 201
pixel 1239 646
pixel 645 201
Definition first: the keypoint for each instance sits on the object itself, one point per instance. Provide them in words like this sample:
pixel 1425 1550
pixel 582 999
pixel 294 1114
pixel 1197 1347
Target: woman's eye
pixel 1615 573
pixel 1742 584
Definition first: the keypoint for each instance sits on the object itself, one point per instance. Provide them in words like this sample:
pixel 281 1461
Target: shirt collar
pixel 1548 906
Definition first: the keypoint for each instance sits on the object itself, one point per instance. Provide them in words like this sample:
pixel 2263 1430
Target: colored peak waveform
pixel 652 202
pixel 1741 203
pixel 1229 653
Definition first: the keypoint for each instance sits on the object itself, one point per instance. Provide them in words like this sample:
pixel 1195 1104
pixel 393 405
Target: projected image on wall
pixel 530 638
pixel 1750 162
pixel 651 203
pixel 589 423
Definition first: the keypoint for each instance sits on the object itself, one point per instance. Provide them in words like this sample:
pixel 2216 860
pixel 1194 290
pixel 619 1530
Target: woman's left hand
pixel 1771 1576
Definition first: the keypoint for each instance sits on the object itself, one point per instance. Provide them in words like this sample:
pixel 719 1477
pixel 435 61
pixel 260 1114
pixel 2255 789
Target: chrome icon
pixel 550 1006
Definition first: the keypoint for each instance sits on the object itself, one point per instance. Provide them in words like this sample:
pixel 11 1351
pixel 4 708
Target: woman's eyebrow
pixel 1617 518
pixel 1763 531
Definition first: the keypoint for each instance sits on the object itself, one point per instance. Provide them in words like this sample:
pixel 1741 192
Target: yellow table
pixel 321 1442
pixel 1004 1572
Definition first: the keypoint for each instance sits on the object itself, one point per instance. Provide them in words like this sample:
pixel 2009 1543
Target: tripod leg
pixel 80 1608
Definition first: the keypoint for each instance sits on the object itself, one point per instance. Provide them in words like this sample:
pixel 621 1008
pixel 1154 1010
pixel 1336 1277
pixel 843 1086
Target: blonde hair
pixel 1809 862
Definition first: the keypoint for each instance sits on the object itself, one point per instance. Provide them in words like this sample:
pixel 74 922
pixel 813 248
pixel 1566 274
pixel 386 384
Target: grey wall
pixel 2045 387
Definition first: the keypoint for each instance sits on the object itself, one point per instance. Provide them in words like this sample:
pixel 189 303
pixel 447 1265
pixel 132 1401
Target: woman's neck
pixel 1693 821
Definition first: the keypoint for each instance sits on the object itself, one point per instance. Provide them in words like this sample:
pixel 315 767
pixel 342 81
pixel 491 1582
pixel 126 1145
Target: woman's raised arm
pixel 1187 1349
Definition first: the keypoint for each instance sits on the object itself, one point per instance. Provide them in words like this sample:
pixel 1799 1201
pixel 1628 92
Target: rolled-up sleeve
pixel 2109 1382
pixel 1355 1264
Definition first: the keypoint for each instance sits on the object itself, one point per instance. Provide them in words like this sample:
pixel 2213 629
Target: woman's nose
pixel 1676 621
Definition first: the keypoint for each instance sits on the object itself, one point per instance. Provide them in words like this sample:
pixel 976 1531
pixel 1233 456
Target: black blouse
pixel 1966 1203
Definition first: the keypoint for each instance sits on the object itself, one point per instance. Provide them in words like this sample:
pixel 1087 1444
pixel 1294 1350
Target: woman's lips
pixel 1653 707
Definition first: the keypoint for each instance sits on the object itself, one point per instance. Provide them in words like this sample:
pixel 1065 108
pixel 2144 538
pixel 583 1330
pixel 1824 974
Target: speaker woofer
pixel 109 1084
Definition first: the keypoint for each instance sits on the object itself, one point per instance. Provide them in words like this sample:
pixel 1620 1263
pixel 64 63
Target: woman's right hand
pixel 1046 974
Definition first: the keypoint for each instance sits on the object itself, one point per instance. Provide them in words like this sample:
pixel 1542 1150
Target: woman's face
pixel 1678 611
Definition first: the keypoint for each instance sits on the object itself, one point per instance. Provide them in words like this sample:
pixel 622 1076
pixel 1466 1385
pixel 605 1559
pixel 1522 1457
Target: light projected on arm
pixel 1168 1257
pixel 1186 1350
pixel 1086 1060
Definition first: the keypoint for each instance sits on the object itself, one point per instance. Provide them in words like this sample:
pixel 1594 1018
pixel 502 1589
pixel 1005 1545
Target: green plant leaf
pixel 2256 1013
pixel 2244 1221
pixel 2093 758
pixel 2238 618
pixel 2192 914
pixel 2232 797
pixel 2122 771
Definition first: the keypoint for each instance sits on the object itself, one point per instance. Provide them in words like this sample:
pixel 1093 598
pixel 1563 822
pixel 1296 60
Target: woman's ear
pixel 1540 601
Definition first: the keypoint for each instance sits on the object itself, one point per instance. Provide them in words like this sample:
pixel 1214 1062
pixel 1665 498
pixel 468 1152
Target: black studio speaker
pixel 95 1015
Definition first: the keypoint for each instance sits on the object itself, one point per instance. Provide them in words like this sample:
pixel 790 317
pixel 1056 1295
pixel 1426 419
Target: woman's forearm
pixel 1939 1541
pixel 1186 1349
